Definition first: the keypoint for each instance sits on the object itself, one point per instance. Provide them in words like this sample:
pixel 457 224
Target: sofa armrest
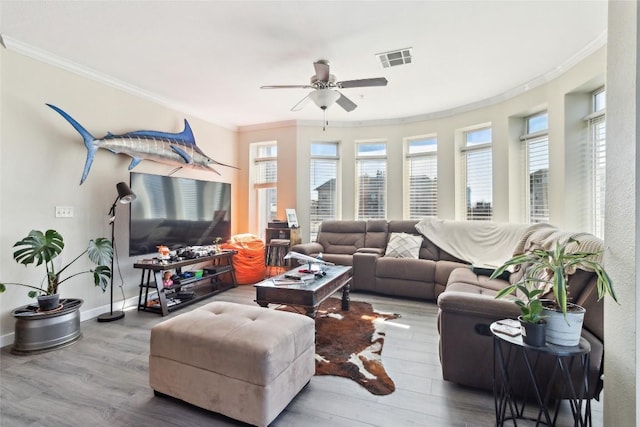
pixel 480 304
pixel 466 343
pixel 364 271
pixel 311 248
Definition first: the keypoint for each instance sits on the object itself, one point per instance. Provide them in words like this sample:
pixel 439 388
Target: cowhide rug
pixel 349 344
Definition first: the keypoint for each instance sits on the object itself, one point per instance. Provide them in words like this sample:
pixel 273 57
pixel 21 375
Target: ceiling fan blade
pixel 301 104
pixel 287 87
pixel 322 70
pixel 346 103
pixel 377 81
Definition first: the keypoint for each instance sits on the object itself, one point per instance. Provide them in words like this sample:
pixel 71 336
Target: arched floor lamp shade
pixel 125 196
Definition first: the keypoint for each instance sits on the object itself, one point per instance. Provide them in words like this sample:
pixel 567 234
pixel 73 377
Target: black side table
pixel 509 350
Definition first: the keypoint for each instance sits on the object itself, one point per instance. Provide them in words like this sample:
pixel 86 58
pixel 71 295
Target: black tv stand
pixel 219 266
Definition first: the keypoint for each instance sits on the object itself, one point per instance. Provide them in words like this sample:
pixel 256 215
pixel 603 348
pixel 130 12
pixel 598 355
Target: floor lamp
pixel 125 195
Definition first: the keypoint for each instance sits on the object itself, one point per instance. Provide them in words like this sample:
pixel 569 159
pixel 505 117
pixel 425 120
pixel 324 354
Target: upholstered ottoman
pixel 241 361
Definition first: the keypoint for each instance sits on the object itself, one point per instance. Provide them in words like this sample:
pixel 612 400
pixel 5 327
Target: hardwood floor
pixel 102 380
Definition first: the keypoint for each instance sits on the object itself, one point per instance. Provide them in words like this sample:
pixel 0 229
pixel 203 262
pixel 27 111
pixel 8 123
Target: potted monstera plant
pixel 548 270
pixel 42 248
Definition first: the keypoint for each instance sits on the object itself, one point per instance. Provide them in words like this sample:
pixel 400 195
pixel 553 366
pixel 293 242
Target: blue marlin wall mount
pixel 177 149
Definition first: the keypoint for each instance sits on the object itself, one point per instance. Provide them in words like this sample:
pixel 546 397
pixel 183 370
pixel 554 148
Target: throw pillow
pixel 403 245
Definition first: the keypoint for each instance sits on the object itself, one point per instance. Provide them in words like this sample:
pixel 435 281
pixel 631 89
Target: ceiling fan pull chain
pixel 325 122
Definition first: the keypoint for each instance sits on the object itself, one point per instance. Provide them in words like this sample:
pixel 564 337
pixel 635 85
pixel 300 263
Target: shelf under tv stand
pixel 203 287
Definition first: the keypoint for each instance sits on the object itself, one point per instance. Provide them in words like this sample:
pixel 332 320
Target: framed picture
pixel 292 218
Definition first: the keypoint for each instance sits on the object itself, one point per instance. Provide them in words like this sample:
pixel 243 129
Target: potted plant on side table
pixel 532 322
pixel 549 269
pixel 52 324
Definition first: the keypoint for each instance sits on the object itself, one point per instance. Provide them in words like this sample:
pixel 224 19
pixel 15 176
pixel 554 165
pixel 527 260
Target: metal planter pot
pixel 561 331
pixel 37 331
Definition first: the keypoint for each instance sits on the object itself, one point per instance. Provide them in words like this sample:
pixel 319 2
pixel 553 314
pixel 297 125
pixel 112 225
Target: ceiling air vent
pixel 395 57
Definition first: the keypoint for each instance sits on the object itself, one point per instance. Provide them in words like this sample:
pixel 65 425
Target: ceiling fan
pixel 325 85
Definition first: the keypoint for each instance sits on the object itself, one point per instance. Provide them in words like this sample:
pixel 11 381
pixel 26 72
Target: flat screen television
pixel 177 212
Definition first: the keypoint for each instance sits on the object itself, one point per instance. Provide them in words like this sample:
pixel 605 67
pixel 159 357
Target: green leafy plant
pixel 42 248
pixel 530 306
pixel 548 270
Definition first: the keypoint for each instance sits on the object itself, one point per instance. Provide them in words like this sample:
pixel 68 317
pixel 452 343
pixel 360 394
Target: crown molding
pixel 89 73
pixel 78 69
pixel 269 125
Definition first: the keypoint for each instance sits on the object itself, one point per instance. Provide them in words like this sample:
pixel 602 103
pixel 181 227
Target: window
pixel 597 161
pixel 324 184
pixel 264 176
pixel 371 180
pixel 421 177
pixel 536 154
pixel 477 170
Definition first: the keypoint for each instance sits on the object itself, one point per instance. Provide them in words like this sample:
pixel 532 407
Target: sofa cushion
pixel 444 270
pixel 427 249
pixel 403 245
pixel 420 270
pixel 342 237
pixel 466 276
pixel 340 259
pixel 376 236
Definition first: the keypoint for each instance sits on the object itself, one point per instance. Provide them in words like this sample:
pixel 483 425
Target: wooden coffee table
pixel 308 294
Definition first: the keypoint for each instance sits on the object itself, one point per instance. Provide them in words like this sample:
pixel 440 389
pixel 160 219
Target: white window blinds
pixel 324 185
pixel 266 166
pixel 597 133
pixel 265 181
pixel 478 175
pixel 421 174
pixel 371 180
pixel 595 161
pixel 536 150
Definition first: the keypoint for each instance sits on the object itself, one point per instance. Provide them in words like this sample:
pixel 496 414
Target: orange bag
pixel 249 261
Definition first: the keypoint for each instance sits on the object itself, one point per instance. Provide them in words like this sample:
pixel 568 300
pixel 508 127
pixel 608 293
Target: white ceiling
pixel 209 58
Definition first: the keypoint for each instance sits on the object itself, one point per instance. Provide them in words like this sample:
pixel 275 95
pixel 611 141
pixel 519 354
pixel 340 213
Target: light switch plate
pixel 64 211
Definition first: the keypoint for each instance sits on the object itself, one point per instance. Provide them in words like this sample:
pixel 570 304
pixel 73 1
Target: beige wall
pixel 41 162
pixel 285 135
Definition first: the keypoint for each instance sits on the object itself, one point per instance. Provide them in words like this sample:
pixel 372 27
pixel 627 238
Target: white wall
pixel 41 162
pixel 621 407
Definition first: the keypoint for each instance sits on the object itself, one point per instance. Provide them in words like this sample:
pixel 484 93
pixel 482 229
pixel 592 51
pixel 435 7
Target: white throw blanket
pixel 547 238
pixel 484 244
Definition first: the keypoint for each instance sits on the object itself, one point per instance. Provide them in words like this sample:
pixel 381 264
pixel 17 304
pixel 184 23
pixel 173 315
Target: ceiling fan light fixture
pixel 324 98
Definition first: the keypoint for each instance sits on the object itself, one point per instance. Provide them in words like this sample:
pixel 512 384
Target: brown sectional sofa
pixel 362 244
pixel 465 295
